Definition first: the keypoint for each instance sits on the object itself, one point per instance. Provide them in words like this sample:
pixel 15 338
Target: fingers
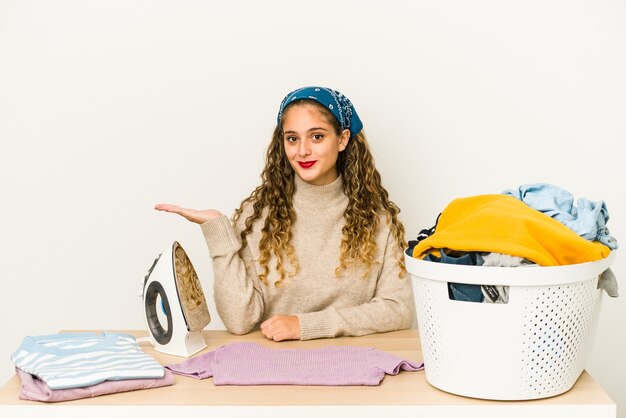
pixel 266 328
pixel 270 323
pixel 184 212
pixel 271 329
pixel 166 207
pixel 273 334
pixel 193 215
pixel 278 336
pixel 281 327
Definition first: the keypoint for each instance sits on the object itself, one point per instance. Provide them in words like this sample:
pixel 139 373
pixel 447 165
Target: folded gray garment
pixel 608 282
pixel 501 260
pixel 35 389
pixel 504 260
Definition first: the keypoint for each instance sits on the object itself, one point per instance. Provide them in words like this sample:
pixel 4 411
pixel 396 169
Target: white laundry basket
pixel 534 346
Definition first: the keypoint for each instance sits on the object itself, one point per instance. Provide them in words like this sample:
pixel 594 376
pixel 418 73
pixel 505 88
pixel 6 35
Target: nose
pixel 303 148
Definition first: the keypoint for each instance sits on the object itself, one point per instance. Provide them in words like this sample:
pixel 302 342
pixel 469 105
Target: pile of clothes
pixel 536 224
pixel 68 366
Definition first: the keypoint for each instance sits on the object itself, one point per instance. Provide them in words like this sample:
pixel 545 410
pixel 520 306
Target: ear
pixel 344 138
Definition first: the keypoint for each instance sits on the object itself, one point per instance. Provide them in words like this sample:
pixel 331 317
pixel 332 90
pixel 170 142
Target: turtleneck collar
pixel 328 195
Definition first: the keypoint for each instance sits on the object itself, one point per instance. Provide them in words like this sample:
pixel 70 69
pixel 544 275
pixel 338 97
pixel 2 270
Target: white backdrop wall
pixel 108 107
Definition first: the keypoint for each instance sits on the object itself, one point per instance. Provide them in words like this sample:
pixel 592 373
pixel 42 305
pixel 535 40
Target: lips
pixel 307 164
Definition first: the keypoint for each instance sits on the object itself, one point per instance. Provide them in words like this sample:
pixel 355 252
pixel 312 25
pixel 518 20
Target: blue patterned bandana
pixel 337 103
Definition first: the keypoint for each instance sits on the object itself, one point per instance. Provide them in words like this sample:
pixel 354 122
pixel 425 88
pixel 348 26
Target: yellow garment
pixel 504 224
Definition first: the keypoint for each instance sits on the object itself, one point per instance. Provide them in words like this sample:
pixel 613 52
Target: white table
pixel 404 395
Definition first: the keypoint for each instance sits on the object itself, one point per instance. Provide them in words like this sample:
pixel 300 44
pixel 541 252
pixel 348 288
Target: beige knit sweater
pixel 327 306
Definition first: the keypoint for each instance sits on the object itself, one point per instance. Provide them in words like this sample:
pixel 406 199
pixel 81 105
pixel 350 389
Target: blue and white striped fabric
pixel 73 360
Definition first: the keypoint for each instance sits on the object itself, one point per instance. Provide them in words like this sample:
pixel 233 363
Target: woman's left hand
pixel 281 327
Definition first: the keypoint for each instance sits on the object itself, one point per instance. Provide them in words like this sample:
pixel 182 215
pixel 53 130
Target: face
pixel 311 144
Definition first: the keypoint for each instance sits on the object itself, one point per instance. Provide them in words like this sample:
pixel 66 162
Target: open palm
pixel 193 215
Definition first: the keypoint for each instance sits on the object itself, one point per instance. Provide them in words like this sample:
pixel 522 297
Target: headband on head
pixel 338 104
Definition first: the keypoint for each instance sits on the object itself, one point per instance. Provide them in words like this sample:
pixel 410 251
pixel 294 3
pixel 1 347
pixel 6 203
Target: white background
pixel 108 107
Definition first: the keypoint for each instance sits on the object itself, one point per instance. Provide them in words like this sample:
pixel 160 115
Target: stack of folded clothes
pixel 67 366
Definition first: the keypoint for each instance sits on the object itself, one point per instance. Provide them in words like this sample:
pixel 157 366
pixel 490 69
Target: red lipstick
pixel 307 164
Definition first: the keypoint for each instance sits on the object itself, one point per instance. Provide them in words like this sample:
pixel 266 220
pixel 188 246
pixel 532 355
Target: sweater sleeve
pixel 392 307
pixel 238 299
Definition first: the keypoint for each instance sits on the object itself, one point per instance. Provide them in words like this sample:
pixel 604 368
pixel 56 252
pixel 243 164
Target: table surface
pixel 407 392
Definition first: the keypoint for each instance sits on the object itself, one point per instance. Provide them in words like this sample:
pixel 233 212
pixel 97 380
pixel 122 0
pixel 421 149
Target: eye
pixel 318 137
pixel 291 139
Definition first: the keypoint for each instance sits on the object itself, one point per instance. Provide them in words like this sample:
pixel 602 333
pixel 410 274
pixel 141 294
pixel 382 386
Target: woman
pixel 316 250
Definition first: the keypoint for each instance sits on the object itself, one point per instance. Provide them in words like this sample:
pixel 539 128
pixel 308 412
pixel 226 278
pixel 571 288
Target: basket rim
pixel 532 275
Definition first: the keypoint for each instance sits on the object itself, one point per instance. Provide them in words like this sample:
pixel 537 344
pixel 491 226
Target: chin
pixel 308 178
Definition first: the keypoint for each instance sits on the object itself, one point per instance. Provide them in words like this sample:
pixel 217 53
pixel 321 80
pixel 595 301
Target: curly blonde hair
pixel 367 199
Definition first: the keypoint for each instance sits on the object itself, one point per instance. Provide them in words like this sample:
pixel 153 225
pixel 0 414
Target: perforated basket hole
pixel 558 333
pixel 430 332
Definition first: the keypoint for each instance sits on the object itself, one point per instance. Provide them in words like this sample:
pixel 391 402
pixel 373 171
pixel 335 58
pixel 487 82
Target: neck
pixel 328 195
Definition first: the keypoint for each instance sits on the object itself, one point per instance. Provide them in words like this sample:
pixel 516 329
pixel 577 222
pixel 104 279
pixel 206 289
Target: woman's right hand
pixel 193 215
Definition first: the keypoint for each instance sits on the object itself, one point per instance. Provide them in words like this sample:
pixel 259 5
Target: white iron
pixel 175 308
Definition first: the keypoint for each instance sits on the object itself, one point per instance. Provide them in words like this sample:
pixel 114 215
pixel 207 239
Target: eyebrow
pixel 312 129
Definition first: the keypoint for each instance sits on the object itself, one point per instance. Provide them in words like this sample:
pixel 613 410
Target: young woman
pixel 316 250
